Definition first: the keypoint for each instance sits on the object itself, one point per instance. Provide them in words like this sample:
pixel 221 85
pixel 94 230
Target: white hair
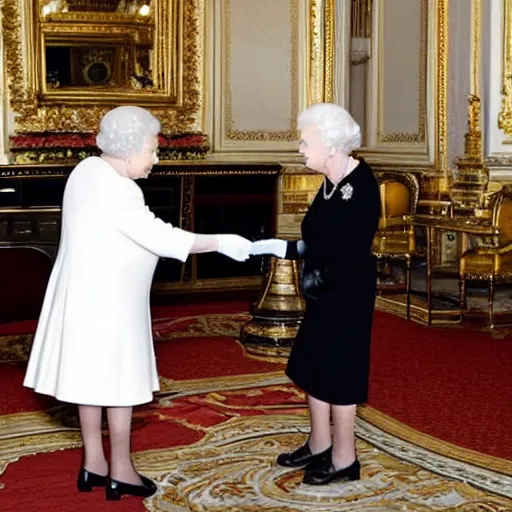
pixel 335 125
pixel 125 130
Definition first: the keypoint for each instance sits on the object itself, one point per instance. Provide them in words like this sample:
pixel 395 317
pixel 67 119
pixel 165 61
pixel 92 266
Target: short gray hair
pixel 335 125
pixel 125 130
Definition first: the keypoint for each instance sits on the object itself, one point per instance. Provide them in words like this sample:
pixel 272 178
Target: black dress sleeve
pixel 295 250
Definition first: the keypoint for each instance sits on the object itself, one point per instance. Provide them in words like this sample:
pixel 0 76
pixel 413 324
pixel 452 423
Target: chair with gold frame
pixel 395 238
pixel 491 262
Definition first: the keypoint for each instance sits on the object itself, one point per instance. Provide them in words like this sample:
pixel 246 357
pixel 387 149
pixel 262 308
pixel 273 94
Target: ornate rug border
pixel 398 429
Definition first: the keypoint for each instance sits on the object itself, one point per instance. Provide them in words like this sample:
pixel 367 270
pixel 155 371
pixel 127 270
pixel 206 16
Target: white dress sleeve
pixel 134 219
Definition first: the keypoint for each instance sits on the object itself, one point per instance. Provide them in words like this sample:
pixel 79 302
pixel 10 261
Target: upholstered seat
pixel 391 244
pixel 395 238
pixel 491 262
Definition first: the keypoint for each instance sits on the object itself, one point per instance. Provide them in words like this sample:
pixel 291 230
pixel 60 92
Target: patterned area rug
pixel 238 424
pixel 245 422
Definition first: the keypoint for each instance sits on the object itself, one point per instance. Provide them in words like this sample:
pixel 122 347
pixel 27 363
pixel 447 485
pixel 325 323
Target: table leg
pixel 429 275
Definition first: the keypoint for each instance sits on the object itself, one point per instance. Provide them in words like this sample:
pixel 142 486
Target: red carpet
pixel 53 474
pixel 14 397
pixel 158 312
pixel 183 359
pixel 52 477
pixel 450 384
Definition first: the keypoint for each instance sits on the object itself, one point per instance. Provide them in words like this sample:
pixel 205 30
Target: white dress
pixel 93 344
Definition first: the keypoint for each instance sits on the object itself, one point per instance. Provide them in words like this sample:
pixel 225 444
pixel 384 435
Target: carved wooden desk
pixel 465 227
pixel 200 196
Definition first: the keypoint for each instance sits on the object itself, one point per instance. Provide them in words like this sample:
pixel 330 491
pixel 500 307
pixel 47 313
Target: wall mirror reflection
pixel 107 47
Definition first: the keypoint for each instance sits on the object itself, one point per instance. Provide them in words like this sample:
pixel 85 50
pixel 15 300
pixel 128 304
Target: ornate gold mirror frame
pixel 177 65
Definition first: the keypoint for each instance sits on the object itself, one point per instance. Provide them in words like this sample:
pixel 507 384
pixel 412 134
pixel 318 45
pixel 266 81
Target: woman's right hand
pixel 235 246
pixel 273 246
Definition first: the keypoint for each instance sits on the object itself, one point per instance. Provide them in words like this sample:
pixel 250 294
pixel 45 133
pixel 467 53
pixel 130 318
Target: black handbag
pixel 313 282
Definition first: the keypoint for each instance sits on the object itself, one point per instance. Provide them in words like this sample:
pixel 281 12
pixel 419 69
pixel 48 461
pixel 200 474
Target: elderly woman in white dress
pixel 93 345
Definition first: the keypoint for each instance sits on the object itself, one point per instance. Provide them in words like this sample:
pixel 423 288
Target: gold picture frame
pixel 176 92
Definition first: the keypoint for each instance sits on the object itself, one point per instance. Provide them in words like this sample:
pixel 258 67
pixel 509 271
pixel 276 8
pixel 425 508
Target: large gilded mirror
pixel 108 47
pixel 72 59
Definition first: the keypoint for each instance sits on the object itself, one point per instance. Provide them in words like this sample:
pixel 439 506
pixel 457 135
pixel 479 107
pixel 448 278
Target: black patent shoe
pixel 115 490
pixel 87 480
pixel 324 474
pixel 300 457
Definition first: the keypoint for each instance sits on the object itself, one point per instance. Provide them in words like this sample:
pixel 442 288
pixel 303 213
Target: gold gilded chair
pixel 491 262
pixel 395 238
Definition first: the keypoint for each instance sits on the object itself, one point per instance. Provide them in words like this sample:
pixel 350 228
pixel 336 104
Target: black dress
pixel 330 358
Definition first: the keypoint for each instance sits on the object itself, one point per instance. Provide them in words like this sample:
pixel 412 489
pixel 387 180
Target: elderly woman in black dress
pixel 331 354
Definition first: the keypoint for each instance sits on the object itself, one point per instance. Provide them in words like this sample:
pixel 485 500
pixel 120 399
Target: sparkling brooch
pixel 347 191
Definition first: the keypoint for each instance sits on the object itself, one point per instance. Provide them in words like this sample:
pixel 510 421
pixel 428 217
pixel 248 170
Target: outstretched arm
pixel 234 246
pixel 137 222
pixel 290 250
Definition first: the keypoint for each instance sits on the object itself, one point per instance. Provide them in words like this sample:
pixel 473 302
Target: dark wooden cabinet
pixel 199 196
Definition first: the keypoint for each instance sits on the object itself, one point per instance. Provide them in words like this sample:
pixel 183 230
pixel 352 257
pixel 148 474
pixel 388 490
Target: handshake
pixel 239 248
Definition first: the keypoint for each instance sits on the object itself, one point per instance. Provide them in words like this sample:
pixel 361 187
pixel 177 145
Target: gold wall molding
pixel 4 111
pixel 311 67
pixel 426 146
pixel 297 189
pixel 419 136
pixel 429 158
pixel 179 110
pixel 320 53
pixel 329 45
pixel 231 132
pixel 441 91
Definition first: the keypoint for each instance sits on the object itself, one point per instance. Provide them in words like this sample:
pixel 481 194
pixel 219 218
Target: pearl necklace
pixel 328 196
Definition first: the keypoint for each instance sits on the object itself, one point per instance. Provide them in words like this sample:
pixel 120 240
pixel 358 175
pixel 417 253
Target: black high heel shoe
pixel 301 457
pixel 325 473
pixel 87 480
pixel 115 490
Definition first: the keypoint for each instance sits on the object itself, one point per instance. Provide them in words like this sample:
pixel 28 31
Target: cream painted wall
pixel 400 83
pixel 262 65
pixel 401 27
pixel 267 67
pixel 258 75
